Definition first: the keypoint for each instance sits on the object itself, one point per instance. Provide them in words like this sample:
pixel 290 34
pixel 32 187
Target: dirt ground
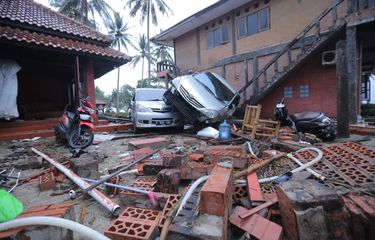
pixel 109 152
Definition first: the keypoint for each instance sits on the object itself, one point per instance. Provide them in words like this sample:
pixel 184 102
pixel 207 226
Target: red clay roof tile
pixel 30 12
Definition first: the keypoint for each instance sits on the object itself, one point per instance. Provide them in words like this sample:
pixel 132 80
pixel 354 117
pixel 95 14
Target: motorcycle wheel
pixel 329 138
pixel 81 139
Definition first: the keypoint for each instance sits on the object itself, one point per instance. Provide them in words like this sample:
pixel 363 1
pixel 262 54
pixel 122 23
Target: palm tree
pixel 118 30
pixel 162 53
pixel 147 9
pixel 141 47
pixel 83 10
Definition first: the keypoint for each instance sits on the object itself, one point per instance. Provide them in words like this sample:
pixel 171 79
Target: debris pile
pixel 183 187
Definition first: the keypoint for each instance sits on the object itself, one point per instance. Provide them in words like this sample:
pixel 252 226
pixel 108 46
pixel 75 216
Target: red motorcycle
pixel 76 125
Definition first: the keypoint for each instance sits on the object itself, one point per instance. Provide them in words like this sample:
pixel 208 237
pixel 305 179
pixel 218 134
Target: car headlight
pixel 210 113
pixel 141 108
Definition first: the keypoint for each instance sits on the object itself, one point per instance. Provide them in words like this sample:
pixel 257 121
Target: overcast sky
pixel 181 10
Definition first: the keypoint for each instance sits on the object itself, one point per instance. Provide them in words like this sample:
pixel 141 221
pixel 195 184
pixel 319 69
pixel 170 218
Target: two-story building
pixel 274 49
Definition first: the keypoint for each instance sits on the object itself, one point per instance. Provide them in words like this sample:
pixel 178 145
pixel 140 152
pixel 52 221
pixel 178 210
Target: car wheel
pixel 179 129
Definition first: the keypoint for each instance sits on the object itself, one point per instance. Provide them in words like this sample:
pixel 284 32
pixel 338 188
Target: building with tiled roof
pixel 59 56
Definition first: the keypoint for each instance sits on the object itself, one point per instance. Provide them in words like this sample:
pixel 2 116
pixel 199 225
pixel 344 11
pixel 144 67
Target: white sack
pixel 8 88
pixel 208 132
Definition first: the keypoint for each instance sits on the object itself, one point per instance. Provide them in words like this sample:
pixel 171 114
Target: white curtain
pixel 8 88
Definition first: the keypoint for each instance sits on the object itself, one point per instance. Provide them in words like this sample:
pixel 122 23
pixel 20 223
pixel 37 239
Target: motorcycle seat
pixel 305 116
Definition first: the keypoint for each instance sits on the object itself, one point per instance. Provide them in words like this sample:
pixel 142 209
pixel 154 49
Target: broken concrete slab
pixel 303 196
pixel 85 166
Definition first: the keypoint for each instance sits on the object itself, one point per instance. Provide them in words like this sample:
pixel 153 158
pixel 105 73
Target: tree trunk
pixel 143 66
pixel 148 40
pixel 118 83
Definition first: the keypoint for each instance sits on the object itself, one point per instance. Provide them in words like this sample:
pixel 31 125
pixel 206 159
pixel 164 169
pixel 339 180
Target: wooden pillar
pixel 352 68
pixel 342 90
pixel 90 84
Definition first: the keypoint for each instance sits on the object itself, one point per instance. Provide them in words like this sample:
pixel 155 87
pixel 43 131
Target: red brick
pixel 126 228
pixel 196 157
pixel 139 167
pixel 214 193
pixel 171 158
pixel 142 151
pixel 257 226
pixel 141 214
pixel 255 192
pixel 258 208
pixel 134 223
pixel 47 181
pixel 154 143
pixel 171 201
pixel 195 170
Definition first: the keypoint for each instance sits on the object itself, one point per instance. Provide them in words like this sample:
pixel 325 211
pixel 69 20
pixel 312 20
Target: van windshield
pixel 215 86
pixel 149 94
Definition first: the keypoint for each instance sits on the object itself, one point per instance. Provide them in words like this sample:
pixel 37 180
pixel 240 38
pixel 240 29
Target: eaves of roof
pixel 54 42
pixel 198 19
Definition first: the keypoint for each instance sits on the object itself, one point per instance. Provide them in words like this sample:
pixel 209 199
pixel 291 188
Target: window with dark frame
pixel 218 36
pixel 253 23
pixel 288 92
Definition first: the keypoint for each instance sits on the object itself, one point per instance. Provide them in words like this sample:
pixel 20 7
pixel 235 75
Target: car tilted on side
pixel 203 97
pixel 149 110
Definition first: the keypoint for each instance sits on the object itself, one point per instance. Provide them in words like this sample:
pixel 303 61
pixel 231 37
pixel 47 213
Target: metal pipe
pixel 153 196
pixel 97 195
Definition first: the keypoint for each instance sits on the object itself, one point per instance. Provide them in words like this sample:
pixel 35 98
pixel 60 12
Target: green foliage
pixel 154 83
pixel 119 31
pixel 162 53
pixel 125 96
pixel 84 10
pixel 100 94
pixel 141 7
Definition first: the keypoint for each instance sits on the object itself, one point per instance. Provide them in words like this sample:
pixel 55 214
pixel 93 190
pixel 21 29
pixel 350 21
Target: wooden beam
pixel 342 90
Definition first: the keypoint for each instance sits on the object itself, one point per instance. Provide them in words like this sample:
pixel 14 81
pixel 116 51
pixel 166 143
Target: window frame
pixel 211 33
pixel 288 89
pixel 244 18
pixel 304 91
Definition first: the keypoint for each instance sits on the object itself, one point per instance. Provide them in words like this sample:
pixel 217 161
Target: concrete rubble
pixel 160 199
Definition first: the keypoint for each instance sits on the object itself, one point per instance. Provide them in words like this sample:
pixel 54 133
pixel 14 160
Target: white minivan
pixel 149 110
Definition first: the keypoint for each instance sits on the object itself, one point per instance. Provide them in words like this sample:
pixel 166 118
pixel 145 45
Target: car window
pixel 149 94
pixel 215 86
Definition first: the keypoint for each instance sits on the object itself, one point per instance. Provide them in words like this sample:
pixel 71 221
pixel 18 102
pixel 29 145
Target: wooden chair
pixel 251 118
pixel 259 127
pixel 267 128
